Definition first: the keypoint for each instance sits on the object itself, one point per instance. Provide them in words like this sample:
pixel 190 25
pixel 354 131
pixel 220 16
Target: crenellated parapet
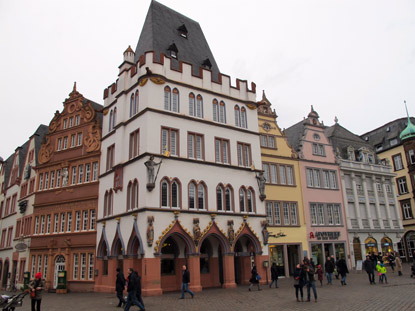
pixel 148 67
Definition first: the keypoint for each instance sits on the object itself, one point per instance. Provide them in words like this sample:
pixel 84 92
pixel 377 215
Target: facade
pixel 66 198
pixel 372 210
pixel 321 187
pixel 391 150
pixel 287 240
pixel 178 185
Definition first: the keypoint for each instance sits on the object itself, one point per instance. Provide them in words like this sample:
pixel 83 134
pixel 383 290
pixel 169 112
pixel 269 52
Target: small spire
pixel 74 87
pixel 129 50
pixel 312 108
pixel 336 120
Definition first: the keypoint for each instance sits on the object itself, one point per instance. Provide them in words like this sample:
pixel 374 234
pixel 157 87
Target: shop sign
pixel 325 235
pixel 21 247
pixel 370 244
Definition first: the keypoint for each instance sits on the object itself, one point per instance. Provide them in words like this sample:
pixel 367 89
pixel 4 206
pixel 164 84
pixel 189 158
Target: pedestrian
pixel 255 277
pixel 391 260
pixel 311 284
pixel 119 288
pixel 138 294
pixel 320 275
pixel 380 257
pixel 185 282
pixel 329 267
pixel 398 263
pixel 336 268
pixel 299 281
pixel 380 267
pixel 342 270
pixel 274 275
pixel 374 258
pixel 369 267
pixel 132 291
pixel 36 287
pixel 311 261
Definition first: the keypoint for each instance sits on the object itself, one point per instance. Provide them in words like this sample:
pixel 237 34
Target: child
pixel 320 274
pixel 382 272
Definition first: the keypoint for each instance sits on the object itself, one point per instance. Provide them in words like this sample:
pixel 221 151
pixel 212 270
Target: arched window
pixel 114 118
pixel 201 196
pixel 242 200
pixel 132 101
pixel 192 109
pixel 222 112
pixel 219 198
pixel 165 193
pixel 135 194
pixel 250 200
pixel 199 106
pixel 167 98
pixel 175 194
pixel 192 195
pixel 237 116
pixel 110 202
pixel 176 103
pixel 215 108
pixel 228 199
pixel 136 102
pixel 110 123
pixel 244 122
pixel 129 196
pixel 106 203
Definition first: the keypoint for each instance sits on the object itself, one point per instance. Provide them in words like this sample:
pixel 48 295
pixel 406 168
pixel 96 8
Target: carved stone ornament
pixel 231 232
pixel 196 231
pixel 143 82
pixel 150 231
pixel 53 125
pixel 45 152
pixel 93 140
pixel 157 80
pixel 89 112
pixel 265 233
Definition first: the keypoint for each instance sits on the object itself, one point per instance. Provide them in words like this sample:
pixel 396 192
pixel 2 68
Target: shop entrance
pixel 328 251
pixel 387 246
pixel 317 254
pixel 357 249
pixel 5 274
pixel 59 266
pixel 277 257
pixel 371 246
pixel 293 258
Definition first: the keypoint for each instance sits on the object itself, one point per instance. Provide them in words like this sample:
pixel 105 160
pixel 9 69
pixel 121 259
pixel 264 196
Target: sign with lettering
pixel 325 235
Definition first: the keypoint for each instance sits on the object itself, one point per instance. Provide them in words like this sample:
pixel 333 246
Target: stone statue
pixel 261 184
pixel 150 231
pixel 196 230
pixel 265 233
pixel 65 177
pixel 231 232
pixel 151 165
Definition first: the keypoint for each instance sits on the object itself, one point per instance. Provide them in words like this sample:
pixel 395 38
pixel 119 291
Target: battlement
pixel 149 66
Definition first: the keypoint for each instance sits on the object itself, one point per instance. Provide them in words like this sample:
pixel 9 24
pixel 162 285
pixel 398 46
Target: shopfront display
pixel 386 245
pixel 371 245
pixel 286 257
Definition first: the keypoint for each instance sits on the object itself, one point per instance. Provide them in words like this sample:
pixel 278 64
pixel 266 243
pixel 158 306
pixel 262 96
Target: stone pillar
pixel 385 194
pixel 228 271
pixel 356 202
pixel 150 276
pixel 367 201
pixel 375 191
pixel 346 207
pixel 245 269
pixel 193 264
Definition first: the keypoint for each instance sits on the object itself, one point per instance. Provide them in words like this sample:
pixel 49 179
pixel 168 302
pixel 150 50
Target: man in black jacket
pixel 132 291
pixel 139 297
pixel 185 282
pixel 329 267
pixel 311 284
pixel 369 267
pixel 119 287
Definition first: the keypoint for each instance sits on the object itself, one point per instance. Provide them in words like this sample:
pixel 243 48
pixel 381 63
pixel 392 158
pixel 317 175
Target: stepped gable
pixel 166 30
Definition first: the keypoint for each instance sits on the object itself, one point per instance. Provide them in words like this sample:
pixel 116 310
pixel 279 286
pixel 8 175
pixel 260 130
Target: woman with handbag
pixel 36 287
pixel 255 277
pixel 299 276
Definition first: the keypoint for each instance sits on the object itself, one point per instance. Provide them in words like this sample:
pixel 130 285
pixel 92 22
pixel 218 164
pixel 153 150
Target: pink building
pixel 321 188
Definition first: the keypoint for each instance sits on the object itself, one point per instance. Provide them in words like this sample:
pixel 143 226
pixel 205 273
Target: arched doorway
pixel 357 249
pixel 371 246
pixel 117 252
pixel 211 262
pixel 59 266
pixel 386 245
pixel 410 244
pixel 244 259
pixel 5 274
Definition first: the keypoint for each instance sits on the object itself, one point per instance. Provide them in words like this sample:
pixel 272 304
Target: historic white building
pixel 180 149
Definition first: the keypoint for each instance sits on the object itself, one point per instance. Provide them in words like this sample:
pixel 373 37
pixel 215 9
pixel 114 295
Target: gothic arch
pixel 103 249
pixel 246 231
pixel 175 229
pixel 117 242
pixel 135 238
pixel 213 230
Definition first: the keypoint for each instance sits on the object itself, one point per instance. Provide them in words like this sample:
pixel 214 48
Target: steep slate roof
pixel 294 134
pixel 41 131
pixel 160 31
pixel 383 134
pixel 342 138
pixel 7 170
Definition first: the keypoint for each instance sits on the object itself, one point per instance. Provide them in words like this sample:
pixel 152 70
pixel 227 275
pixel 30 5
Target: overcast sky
pixel 354 59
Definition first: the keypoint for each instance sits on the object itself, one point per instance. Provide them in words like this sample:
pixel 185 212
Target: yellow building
pixel 392 148
pixel 287 234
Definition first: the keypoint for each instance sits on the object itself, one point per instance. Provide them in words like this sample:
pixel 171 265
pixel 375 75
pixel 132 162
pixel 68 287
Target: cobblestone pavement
pixel 398 294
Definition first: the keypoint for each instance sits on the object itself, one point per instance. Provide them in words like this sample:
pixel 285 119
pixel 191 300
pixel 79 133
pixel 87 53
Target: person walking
pixel 369 267
pixel 391 260
pixel 320 274
pixel 185 282
pixel 274 275
pixel 310 281
pixel 299 281
pixel 36 287
pixel 255 277
pixel 132 291
pixel 343 270
pixel 380 267
pixel 119 288
pixel 138 294
pixel 329 267
pixel 398 263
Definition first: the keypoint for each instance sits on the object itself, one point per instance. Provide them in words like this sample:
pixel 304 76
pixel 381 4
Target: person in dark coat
pixel 343 270
pixel 299 276
pixel 369 266
pixel 185 282
pixel 274 275
pixel 132 291
pixel 391 259
pixel 119 287
pixel 138 294
pixel 254 279
pixel 329 267
pixel 310 281
pixel 36 286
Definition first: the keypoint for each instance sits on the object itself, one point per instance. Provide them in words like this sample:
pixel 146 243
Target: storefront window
pixel 401 249
pixel 339 249
pixel 410 241
pixel 317 253
pixel 387 246
pixel 277 256
pixel 371 246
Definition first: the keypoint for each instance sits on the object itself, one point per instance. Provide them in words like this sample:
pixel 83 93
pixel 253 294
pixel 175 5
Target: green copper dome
pixel 409 131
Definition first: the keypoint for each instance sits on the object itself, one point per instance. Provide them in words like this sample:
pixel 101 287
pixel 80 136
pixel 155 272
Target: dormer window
pixel 173 50
pixel 183 31
pixel 207 64
pixel 351 154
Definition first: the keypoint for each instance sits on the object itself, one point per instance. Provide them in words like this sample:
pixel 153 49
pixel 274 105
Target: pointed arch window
pixel 167 98
pixel 129 196
pixel 222 112
pixel 228 199
pixel 219 198
pixel 114 118
pixel 170 193
pixel 135 194
pixel 242 200
pixel 110 121
pixel 250 200
pixel 175 194
pixel 199 106
pixel 192 194
pixel 215 107
pixel 244 122
pixel 132 101
pixel 108 203
pixel 136 102
pixel 237 116
pixel 192 109
pixel 175 104
pixel 201 196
